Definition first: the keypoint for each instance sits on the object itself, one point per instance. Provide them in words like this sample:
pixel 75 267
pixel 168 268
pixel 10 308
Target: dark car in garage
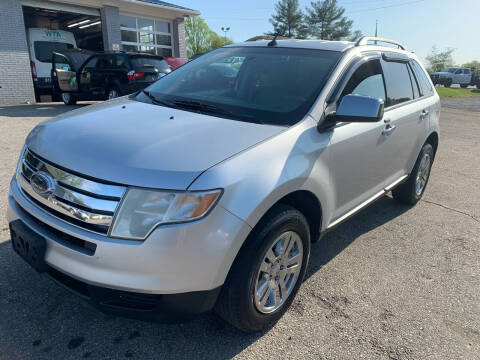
pixel 82 75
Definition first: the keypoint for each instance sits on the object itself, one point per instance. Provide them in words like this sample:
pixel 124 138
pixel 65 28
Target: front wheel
pixel 69 99
pixel 268 271
pixel 463 86
pixel 411 191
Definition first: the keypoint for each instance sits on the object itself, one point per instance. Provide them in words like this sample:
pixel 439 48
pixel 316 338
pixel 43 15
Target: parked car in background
pixel 41 44
pixel 454 75
pixel 175 62
pixel 206 189
pixel 105 75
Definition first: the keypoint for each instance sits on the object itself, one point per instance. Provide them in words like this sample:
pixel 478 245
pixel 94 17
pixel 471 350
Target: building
pixel 132 25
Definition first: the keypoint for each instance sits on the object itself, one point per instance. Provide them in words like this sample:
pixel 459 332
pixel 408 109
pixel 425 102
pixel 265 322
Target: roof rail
pixel 365 39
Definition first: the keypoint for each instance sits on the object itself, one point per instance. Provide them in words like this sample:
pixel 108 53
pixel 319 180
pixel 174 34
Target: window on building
pixel 146 35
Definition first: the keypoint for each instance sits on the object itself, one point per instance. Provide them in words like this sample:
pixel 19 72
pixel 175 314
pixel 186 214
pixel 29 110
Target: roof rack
pixel 365 39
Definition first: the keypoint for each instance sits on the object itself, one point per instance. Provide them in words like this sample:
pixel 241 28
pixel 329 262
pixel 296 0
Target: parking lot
pixel 393 282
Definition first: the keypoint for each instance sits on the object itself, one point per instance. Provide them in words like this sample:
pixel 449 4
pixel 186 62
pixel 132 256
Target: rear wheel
pixel 463 86
pixel 113 93
pixel 268 271
pixel 69 99
pixel 448 83
pixel 411 191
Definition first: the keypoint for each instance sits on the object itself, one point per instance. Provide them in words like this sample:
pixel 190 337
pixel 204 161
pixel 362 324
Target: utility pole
pixel 225 29
pixel 376 30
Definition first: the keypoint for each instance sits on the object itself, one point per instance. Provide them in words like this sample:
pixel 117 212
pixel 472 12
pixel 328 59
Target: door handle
pixel 389 128
pixel 423 114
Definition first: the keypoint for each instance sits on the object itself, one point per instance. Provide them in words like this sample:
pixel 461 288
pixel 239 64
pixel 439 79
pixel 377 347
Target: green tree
pixel 327 21
pixel 200 38
pixel 288 20
pixel 439 60
pixel 472 64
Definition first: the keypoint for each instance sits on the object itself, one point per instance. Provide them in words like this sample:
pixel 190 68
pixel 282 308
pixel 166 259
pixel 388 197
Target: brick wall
pixel 15 73
pixel 179 47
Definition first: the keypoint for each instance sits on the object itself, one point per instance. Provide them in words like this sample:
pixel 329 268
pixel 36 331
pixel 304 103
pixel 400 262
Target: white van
pixel 41 44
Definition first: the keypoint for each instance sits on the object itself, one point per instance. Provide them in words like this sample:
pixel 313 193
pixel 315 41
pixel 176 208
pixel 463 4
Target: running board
pixel 366 203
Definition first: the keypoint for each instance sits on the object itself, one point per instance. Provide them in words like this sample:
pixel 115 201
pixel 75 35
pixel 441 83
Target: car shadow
pixel 41 110
pixel 42 320
pixel 332 243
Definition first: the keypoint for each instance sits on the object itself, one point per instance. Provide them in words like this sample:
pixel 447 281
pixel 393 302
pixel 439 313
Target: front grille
pixel 76 199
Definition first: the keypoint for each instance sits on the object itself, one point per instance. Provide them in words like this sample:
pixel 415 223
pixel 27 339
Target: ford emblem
pixel 42 183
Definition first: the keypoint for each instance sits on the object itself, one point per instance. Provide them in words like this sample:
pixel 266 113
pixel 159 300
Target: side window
pixel 425 86
pixel 121 62
pixel 415 85
pixel 106 62
pixel 367 80
pixel 61 63
pixel 459 71
pixel 399 86
pixel 466 71
pixel 91 63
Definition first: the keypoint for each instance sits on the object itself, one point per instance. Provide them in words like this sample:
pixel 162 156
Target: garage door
pixel 62 7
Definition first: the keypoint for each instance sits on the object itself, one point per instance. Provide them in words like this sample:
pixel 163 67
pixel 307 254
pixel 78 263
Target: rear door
pixel 87 74
pixel 407 115
pixel 64 76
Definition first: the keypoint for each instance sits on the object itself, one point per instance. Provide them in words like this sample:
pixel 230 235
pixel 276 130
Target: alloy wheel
pixel 278 272
pixel 422 174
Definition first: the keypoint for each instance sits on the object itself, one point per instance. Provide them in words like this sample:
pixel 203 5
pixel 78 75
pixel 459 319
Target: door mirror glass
pixel 357 108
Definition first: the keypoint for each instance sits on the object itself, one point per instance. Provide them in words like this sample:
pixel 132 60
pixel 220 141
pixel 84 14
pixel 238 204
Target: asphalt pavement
pixel 393 282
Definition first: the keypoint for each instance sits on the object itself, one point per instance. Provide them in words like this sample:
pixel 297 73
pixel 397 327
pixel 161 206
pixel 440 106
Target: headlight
pixel 142 210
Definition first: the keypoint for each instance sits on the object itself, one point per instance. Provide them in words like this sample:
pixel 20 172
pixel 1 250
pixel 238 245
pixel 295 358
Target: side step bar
pixel 365 203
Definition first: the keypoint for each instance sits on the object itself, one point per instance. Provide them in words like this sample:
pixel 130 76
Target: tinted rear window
pixel 423 82
pixel 399 86
pixel 143 62
pixel 44 49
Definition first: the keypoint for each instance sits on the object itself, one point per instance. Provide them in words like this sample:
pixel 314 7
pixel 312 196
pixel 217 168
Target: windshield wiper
pixel 157 101
pixel 212 109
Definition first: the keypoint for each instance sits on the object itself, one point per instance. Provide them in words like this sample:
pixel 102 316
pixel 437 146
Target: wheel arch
pixel 433 139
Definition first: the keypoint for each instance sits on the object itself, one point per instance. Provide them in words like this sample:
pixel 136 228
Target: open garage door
pixel 56 28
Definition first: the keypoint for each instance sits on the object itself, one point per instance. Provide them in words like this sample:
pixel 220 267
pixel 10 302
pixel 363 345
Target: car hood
pixel 134 143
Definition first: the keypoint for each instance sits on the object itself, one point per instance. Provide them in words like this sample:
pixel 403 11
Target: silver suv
pixel 205 190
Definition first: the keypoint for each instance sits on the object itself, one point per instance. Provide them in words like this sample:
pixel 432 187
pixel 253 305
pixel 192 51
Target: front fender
pixel 256 179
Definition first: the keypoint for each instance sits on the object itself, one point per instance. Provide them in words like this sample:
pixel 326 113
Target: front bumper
pixel 174 259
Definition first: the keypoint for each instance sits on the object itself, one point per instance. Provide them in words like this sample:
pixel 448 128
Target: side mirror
pixel 357 108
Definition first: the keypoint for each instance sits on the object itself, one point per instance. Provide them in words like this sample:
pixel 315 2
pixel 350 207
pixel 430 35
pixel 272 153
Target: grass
pixel 444 92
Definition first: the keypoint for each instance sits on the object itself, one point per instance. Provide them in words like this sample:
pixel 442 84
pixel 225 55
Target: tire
pixel 113 93
pixel 448 83
pixel 69 98
pixel 463 86
pixel 409 192
pixel 237 303
pixel 478 85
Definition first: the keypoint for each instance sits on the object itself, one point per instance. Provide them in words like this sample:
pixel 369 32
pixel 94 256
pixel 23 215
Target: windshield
pixel 450 70
pixel 270 85
pixel 44 49
pixel 149 61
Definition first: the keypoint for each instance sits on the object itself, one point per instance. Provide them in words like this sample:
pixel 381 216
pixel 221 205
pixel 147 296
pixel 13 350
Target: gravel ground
pixel 394 282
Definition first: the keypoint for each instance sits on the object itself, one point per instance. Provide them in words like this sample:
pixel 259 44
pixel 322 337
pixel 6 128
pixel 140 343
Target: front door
pixel 64 76
pixel 360 153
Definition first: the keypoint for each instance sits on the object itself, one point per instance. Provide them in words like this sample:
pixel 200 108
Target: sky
pixel 419 24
